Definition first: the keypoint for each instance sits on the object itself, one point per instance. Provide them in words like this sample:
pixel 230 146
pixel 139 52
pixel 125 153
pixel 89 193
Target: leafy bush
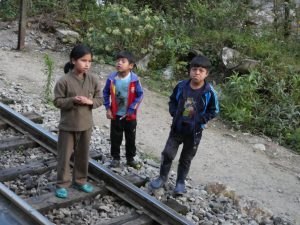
pixel 240 101
pixel 217 15
pixel 48 71
pixel 264 103
pixel 8 9
pixel 115 27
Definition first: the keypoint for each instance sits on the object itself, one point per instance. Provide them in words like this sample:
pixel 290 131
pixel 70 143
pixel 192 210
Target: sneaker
pixel 114 163
pixel 87 188
pixel 134 164
pixel 179 189
pixel 61 193
pixel 157 183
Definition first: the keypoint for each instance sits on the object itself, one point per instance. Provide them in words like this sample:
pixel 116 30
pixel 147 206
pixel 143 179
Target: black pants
pixel 189 150
pixel 117 127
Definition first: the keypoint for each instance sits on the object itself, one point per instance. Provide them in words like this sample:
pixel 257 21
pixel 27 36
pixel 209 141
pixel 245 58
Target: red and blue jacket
pixel 135 94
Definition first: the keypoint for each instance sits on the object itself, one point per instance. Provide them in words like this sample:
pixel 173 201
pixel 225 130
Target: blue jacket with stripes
pixel 207 106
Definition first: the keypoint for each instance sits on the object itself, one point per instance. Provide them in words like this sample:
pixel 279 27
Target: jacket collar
pixel 72 73
pixel 205 88
pixel 133 76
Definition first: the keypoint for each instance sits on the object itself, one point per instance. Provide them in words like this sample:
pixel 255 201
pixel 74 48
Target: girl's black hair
pixel 126 55
pixel 200 61
pixel 77 52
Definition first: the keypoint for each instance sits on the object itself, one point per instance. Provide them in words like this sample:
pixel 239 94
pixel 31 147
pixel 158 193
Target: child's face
pixel 198 74
pixel 123 65
pixel 83 64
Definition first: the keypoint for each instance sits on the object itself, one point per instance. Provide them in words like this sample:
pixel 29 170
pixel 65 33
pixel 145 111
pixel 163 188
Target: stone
pixel 259 146
pixel 67 36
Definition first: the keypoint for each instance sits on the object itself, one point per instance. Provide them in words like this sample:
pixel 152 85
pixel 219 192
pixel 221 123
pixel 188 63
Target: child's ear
pixel 207 71
pixel 131 65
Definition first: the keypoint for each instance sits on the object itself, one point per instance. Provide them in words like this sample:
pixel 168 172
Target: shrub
pixel 8 9
pixel 48 71
pixel 266 103
pixel 115 27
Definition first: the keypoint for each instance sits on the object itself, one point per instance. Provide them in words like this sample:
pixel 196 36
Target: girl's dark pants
pixel 69 142
pixel 189 150
pixel 117 128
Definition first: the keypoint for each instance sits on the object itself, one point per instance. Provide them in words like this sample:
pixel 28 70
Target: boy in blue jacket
pixel 192 104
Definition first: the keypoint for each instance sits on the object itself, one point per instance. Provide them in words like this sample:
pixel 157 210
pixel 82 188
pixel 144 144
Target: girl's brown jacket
pixel 76 117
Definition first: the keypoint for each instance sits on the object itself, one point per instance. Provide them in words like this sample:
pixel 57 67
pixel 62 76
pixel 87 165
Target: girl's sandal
pixel 61 193
pixel 85 188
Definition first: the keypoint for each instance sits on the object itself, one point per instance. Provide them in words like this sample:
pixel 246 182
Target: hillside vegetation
pixel 264 100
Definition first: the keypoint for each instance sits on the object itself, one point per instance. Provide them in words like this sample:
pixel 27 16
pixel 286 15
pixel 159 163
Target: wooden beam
pixel 141 220
pixel 120 219
pixel 37 167
pixel 46 202
pixel 129 219
pixel 17 143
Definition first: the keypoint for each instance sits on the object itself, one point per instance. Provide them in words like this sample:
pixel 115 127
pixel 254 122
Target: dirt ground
pixel 271 176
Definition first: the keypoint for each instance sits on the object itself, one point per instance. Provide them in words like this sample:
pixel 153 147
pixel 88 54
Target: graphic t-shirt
pixel 122 85
pixel 188 115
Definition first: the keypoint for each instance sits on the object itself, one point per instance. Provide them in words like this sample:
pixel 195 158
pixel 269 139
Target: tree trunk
pixel 22 25
pixel 286 23
pixel 275 22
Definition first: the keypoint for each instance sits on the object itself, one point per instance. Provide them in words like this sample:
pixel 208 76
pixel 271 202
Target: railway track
pixel 35 206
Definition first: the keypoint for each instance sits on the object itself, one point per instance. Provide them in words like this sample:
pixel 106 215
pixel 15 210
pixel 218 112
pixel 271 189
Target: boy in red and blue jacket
pixel 122 95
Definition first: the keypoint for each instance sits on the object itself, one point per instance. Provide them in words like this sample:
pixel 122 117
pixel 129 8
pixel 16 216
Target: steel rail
pixel 33 217
pixel 148 204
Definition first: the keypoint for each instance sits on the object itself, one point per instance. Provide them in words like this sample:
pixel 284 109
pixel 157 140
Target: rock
pixel 168 73
pixel 191 199
pixel 105 208
pixel 230 135
pixel 180 208
pixel 67 36
pixel 277 221
pixel 260 147
pixel 143 63
pixel 65 211
pixel 233 60
pixel 152 163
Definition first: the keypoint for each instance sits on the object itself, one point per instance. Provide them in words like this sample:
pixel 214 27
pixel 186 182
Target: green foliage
pixel 217 15
pixel 293 139
pixel 166 6
pixel 266 103
pixel 240 101
pixel 48 71
pixel 8 9
pixel 157 82
pixel 115 27
pixel 20 149
pixel 150 156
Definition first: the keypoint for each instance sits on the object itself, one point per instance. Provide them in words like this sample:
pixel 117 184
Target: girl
pixel 76 94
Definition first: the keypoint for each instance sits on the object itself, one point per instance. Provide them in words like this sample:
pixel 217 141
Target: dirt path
pixel 270 176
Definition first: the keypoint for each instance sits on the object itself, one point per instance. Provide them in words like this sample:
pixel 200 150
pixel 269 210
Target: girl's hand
pixel 82 100
pixel 109 114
